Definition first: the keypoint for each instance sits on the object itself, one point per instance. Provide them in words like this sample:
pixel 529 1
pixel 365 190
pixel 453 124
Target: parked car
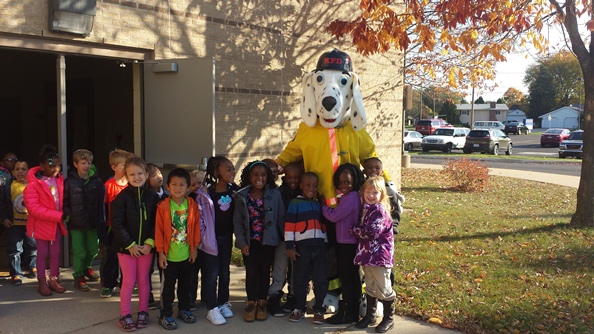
pixel 445 139
pixel 488 125
pixel 412 140
pixel 488 141
pixel 516 127
pixel 573 145
pixel 553 137
pixel 428 126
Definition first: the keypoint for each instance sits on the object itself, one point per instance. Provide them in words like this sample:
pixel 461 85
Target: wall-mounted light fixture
pixel 156 66
pixel 72 16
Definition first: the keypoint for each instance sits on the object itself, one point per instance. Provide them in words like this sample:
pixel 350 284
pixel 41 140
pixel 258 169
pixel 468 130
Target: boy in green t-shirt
pixel 177 235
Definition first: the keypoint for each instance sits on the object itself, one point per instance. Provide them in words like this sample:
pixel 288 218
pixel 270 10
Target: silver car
pixel 411 140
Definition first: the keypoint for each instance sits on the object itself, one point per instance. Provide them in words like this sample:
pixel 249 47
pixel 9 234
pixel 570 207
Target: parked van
pixel 488 125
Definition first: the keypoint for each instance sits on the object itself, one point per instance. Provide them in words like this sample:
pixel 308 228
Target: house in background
pixel 483 112
pixel 564 117
pixel 516 115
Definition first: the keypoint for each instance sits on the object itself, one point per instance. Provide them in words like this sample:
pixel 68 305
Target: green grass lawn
pixel 500 261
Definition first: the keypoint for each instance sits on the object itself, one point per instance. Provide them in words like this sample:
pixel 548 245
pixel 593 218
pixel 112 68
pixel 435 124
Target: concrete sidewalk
pixel 23 310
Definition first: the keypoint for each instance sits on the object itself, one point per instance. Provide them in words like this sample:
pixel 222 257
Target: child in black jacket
pixel 84 195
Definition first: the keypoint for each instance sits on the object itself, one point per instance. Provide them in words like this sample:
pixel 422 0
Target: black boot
pixel 369 314
pixel 388 320
pixel 352 312
pixel 339 316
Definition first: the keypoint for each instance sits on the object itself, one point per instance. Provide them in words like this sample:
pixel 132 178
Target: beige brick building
pixel 260 51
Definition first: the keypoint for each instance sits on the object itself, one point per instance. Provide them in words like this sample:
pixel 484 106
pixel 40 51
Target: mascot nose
pixel 328 102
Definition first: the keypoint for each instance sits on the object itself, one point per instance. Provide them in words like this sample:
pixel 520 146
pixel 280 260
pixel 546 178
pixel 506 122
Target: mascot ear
pixel 358 116
pixel 308 105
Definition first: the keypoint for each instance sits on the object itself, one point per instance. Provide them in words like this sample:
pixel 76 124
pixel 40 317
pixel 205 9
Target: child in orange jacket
pixel 177 235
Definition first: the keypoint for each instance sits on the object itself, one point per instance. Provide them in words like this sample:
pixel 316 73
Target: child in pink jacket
pixel 43 197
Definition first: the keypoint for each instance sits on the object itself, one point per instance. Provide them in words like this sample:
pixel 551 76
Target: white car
pixel 412 140
pixel 445 139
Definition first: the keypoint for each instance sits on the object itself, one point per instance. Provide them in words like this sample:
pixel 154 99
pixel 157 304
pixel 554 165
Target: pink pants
pixel 49 248
pixel 134 270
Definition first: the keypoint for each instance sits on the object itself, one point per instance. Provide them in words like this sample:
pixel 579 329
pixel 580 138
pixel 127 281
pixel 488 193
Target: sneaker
pixel 127 324
pixel 81 285
pixel 16 280
pixel 274 308
pixel 142 319
pixel 192 306
pixel 289 305
pixel 226 310
pixel 91 275
pixel 152 305
pixel 186 316
pixel 215 317
pixel 318 318
pixel 31 273
pixel 135 292
pixel 296 315
pixel 106 292
pixel 167 322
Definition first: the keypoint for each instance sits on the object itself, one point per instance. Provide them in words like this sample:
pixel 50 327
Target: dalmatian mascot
pixel 332 132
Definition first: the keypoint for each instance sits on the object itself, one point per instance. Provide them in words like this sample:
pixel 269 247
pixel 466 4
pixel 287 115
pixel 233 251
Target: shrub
pixel 466 175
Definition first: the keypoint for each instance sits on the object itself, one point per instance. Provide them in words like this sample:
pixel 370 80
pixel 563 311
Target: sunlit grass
pixel 501 261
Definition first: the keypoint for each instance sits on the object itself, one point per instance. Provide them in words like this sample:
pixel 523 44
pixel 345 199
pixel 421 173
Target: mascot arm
pixel 293 151
pixel 367 150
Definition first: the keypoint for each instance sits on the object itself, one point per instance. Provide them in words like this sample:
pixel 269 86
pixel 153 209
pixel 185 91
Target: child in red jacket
pixel 44 194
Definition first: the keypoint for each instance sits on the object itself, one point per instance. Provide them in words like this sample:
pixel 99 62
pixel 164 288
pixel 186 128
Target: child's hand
pixel 135 251
pixel 245 250
pixel 292 254
pixel 193 255
pixel 162 260
pixel 146 249
pixel 7 223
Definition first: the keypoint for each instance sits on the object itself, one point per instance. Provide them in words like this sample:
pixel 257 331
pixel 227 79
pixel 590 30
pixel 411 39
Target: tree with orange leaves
pixel 480 32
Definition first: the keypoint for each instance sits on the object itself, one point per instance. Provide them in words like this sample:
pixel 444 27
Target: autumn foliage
pixel 459 41
pixel 466 175
pixel 456 41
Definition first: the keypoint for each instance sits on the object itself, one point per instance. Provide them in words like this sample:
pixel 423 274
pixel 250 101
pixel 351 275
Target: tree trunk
pixel 584 211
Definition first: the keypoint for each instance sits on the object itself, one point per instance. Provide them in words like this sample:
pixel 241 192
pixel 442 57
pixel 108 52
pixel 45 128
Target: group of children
pixel 188 228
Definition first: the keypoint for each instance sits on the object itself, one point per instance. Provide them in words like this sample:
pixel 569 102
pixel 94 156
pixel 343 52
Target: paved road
pixel 525 145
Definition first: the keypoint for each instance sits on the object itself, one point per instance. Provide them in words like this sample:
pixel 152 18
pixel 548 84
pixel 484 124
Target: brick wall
pixel 261 48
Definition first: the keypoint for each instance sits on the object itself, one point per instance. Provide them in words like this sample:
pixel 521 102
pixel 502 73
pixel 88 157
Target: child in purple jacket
pixel 375 252
pixel 348 179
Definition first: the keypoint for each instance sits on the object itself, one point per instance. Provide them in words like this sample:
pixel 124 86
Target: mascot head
pixel 331 93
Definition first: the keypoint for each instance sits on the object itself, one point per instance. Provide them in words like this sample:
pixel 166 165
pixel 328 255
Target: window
pixel 497 112
pixel 465 112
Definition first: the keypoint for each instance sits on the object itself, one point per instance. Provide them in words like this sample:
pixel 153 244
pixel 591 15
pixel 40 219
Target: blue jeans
pixel 217 267
pixel 18 241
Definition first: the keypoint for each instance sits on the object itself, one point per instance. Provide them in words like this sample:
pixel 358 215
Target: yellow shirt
pixel 18 205
pixel 323 150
